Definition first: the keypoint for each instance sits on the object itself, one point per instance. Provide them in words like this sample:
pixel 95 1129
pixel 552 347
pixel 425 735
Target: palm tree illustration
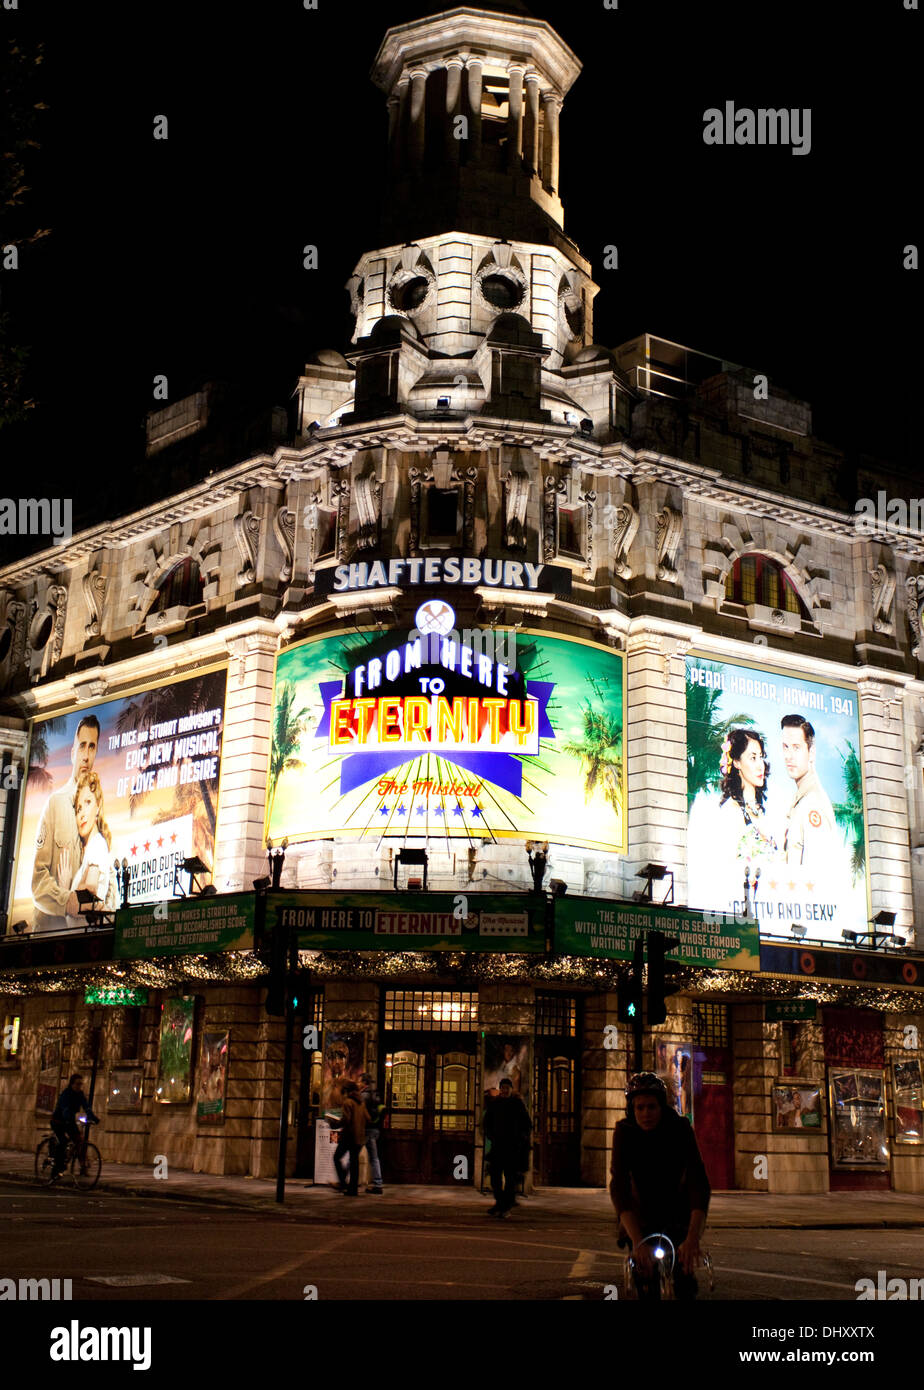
pixel 705 735
pixel 288 728
pixel 849 812
pixel 159 706
pixel 600 750
pixel 39 778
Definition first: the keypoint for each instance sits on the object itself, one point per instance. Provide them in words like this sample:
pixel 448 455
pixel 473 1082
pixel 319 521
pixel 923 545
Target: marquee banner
pixel 609 929
pixel 775 800
pixel 134 778
pixel 510 922
pixel 414 734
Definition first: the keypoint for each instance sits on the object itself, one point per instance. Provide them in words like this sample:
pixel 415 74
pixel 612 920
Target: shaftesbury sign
pixel 513 922
pixel 600 927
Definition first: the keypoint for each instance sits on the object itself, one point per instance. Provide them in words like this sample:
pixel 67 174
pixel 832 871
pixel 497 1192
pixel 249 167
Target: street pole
pixel 286 1071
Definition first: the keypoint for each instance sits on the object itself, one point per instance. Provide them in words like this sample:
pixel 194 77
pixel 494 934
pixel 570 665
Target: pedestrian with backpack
pixel 375 1116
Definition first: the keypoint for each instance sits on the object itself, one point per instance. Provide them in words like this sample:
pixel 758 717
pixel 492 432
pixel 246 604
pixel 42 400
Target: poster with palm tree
pixel 536 750
pixel 776 825
pixel 157 757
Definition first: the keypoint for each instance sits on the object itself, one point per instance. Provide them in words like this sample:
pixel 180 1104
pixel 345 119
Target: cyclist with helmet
pixel 658 1184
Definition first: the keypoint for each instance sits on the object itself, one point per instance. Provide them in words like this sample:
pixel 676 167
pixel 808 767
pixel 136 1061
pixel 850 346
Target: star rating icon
pixel 383 810
pixel 439 811
pixel 457 809
pixel 476 811
pixel 402 809
pixel 421 810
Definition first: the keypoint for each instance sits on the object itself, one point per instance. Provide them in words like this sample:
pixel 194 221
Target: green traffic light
pixel 631 1011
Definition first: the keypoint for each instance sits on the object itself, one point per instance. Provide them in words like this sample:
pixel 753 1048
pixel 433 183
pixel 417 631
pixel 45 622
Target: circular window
pixel 408 295
pixel 503 291
pixel 40 631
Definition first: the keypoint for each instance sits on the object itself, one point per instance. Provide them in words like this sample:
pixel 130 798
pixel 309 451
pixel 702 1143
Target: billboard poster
pixel 674 1063
pixel 134 778
pixel 426 734
pixel 506 1058
pixel 174 1058
pixel 213 1077
pixel 777 825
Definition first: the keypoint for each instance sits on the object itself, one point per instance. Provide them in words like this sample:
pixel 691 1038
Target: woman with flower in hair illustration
pixel 94 872
pixel 746 844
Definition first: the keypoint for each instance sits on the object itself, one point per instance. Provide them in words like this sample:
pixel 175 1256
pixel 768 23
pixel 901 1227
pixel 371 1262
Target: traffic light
pixel 659 946
pixel 276 986
pixel 629 990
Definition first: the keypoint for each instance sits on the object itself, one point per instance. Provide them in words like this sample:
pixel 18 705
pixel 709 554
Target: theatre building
pixel 508 649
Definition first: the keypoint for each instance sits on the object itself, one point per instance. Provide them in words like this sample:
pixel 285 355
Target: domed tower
pixel 476 291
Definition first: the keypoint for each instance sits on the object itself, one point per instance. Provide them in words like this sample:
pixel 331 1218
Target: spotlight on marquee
pixel 881 928
pixel 412 856
pixel 654 873
pixel 798 932
pixel 558 887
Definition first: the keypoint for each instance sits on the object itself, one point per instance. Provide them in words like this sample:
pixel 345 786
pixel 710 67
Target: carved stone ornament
pixel 94 591
pixel 588 499
pixel 417 477
pixel 626 521
pixel 340 492
pixel 284 531
pixel 57 600
pixel 914 606
pixel 554 490
pixel 247 536
pixel 883 598
pixel 311 526
pixel 368 493
pixel 670 530
pixel 516 501
pixel 19 656
pixel 468 477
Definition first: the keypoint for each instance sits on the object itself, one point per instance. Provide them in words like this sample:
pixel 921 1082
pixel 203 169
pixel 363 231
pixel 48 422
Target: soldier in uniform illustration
pixel 58 847
pixel 810 823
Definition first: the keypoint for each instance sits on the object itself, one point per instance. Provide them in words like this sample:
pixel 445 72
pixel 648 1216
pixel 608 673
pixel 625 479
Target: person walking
pixel 375 1113
pixel 352 1137
pixel 658 1185
pixel 507 1126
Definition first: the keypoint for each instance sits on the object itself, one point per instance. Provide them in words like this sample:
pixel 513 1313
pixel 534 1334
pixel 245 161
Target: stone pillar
pixel 454 68
pixel 887 828
pixel 515 116
pixel 473 69
pixel 552 103
pixel 396 104
pixel 657 755
pixel 245 756
pixel 418 116
pixel 531 125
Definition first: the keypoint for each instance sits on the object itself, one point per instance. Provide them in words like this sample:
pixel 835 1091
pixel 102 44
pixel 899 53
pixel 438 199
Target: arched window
pixel 181 587
pixel 758 579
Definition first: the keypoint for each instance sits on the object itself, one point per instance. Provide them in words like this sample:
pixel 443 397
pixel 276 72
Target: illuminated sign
pixel 513 922
pixel 116 995
pixel 134 779
pixel 465 571
pixel 419 734
pixel 776 823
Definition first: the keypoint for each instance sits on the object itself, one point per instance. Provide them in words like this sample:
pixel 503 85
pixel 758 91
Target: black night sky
pixel 184 256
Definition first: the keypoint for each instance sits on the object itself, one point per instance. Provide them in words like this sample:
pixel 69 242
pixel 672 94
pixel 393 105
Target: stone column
pixel 245 755
pixel 474 100
pixel 418 130
pixel 552 103
pixel 515 74
pixel 531 125
pixel 454 68
pixel 395 112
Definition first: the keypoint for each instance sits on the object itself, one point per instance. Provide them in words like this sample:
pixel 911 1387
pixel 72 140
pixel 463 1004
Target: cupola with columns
pixel 477 299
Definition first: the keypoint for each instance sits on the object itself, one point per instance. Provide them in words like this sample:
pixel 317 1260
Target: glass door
pixel 430 1094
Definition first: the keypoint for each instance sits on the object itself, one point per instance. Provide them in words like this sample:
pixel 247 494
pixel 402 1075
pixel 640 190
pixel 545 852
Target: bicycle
pixel 660 1284
pixel 82 1160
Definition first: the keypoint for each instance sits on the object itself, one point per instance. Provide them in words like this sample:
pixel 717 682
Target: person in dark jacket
pixel 374 1113
pixel 64 1120
pixel 658 1184
pixel 507 1125
pixel 352 1137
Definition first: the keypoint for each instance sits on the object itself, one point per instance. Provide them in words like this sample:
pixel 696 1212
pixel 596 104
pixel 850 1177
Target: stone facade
pixel 473 366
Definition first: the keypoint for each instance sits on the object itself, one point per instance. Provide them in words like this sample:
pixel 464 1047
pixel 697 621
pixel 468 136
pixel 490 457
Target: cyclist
pixel 64 1120
pixel 658 1184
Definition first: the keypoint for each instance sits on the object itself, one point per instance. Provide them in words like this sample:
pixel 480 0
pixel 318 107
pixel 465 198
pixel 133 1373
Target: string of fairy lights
pixel 464 968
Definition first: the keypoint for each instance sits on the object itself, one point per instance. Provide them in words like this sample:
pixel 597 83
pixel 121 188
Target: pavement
pixel 733 1210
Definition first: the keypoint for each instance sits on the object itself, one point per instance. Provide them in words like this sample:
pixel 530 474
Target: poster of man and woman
pixel 133 779
pixel 776 826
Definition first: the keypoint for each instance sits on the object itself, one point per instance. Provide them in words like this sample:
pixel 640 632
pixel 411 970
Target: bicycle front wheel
pixel 45 1161
pixel 86 1173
